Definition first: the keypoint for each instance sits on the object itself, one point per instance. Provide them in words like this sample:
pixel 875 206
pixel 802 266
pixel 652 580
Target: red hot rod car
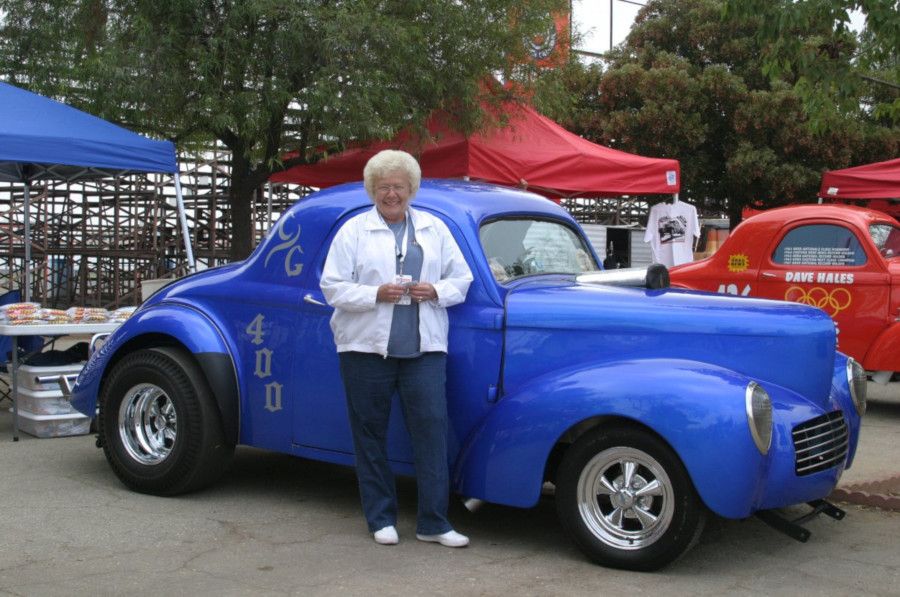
pixel 843 259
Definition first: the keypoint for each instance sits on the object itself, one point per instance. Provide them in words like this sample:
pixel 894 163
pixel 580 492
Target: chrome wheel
pixel 148 424
pixel 159 424
pixel 625 498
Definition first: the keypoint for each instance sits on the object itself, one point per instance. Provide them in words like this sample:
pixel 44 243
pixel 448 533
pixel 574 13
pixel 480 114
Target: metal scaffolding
pixel 94 242
pixel 611 211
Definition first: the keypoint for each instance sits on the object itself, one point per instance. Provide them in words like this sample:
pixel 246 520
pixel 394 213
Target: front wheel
pixel 626 500
pixel 159 424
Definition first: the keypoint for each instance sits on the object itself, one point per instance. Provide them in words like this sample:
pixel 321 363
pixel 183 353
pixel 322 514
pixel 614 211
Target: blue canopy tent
pixel 42 139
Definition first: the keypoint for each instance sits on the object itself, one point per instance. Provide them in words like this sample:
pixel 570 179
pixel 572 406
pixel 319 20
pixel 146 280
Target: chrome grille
pixel 820 443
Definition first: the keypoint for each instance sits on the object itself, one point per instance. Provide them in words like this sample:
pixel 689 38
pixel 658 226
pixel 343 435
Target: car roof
pixel 458 200
pixel 755 235
pixel 856 215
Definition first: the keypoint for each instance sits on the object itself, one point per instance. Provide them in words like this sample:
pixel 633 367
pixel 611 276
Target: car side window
pixel 517 247
pixel 820 244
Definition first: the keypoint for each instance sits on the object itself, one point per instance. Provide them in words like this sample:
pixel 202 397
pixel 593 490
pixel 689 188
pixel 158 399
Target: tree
pixel 268 78
pixel 835 70
pixel 687 84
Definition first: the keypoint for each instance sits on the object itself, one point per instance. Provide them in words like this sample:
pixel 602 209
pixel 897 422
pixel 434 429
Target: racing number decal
pixel 733 289
pixel 736 264
pixel 264 363
pixel 255 329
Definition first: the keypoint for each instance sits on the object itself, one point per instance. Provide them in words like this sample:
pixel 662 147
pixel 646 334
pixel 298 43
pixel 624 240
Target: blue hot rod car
pixel 641 407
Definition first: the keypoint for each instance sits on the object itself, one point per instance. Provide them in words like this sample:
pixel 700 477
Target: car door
pixel 832 265
pixel 320 409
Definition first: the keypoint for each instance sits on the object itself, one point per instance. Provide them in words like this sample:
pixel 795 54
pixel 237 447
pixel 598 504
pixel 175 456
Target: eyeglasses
pixel 387 188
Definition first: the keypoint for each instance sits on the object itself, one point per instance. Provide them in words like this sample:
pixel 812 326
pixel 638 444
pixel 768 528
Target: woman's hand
pixel 422 291
pixel 418 292
pixel 390 293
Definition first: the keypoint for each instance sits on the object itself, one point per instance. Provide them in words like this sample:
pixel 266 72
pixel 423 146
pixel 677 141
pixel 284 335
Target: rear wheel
pixel 159 424
pixel 626 500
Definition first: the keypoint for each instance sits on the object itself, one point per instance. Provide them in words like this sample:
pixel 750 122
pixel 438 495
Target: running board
pixel 792 528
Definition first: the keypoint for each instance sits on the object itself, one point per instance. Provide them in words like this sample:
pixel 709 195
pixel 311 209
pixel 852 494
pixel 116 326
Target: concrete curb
pixel 883 493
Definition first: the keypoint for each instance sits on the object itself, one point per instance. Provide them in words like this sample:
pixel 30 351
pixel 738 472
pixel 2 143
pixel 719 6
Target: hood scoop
pixel 654 277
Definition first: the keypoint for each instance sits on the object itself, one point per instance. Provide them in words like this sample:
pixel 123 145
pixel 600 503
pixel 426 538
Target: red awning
pixel 531 152
pixel 880 180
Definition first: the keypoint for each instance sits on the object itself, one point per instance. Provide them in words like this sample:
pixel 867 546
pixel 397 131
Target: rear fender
pixel 167 324
pixel 697 408
pixel 884 351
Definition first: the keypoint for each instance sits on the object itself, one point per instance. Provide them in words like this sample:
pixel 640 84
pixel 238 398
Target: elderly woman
pixel 390 275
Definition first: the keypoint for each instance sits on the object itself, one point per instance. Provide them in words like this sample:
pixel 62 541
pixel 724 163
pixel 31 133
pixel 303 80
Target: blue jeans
pixel 370 381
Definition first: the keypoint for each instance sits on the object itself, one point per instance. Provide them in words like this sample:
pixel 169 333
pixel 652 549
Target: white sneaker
pixel 387 536
pixel 448 539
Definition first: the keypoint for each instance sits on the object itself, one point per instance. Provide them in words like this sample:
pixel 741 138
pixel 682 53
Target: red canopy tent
pixel 880 180
pixel 877 181
pixel 531 152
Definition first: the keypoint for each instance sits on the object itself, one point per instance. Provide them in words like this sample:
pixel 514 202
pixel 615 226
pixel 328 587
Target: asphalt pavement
pixel 278 525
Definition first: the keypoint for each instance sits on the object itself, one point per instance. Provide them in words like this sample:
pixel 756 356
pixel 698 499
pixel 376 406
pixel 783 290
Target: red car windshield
pixel 887 239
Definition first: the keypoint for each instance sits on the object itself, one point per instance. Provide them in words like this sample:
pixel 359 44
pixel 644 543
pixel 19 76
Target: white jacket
pixel 362 258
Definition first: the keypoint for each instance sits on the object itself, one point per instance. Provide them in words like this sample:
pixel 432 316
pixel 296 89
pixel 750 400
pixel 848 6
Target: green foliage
pixel 266 78
pixel 833 71
pixel 688 85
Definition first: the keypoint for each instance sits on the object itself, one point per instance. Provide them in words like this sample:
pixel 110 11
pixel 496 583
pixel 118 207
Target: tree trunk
pixel 244 181
pixel 240 202
pixel 735 216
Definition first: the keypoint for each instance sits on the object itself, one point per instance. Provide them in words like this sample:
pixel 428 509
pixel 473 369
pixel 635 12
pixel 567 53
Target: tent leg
pixel 27 243
pixel 184 226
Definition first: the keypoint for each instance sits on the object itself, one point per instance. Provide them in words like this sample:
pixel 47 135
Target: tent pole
pixel 27 242
pixel 184 227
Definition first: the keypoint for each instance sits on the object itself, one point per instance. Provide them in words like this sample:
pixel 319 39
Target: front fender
pixel 697 408
pixel 840 393
pixel 884 351
pixel 166 323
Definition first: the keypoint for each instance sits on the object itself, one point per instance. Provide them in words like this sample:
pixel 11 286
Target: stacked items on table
pixel 34 314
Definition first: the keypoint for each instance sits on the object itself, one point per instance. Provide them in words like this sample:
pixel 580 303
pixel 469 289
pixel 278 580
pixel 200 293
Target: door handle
pixel 769 275
pixel 309 299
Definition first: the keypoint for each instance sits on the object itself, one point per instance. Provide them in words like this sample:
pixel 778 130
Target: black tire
pixel 159 424
pixel 626 499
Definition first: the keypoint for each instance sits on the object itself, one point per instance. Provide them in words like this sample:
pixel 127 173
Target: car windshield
pixel 887 239
pixel 517 247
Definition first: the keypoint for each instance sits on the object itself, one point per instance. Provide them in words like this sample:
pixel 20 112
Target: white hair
pixel 391 160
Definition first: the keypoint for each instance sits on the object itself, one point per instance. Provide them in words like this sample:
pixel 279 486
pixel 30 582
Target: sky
pixel 592 20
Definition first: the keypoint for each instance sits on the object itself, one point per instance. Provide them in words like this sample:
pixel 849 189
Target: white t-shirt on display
pixel 671 230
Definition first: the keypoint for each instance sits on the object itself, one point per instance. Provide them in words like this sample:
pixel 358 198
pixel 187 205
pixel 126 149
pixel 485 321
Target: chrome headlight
pixel 856 379
pixel 759 416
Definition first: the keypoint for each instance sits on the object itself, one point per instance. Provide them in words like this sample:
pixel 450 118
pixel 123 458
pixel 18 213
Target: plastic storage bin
pixel 28 375
pixel 53 425
pixel 44 402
